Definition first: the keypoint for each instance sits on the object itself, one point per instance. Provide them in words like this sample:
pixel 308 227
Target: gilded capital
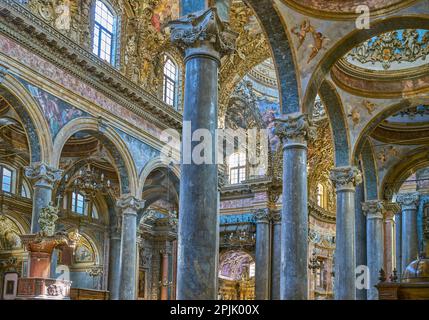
pixel 129 204
pixel 392 208
pixel 262 215
pixel 202 28
pixel 408 201
pixel 43 175
pixel 373 209
pixel 295 128
pixel 345 177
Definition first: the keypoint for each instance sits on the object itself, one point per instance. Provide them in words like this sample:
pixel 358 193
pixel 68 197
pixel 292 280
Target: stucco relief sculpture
pixel 48 217
pixel 305 28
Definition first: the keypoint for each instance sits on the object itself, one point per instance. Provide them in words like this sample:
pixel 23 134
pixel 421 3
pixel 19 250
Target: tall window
pixel 78 203
pixel 170 82
pixel 237 168
pixel 103 37
pixel 6 179
pixel 320 195
pixel 25 190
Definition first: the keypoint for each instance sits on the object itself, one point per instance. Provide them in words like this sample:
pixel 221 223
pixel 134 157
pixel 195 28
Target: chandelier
pixel 89 182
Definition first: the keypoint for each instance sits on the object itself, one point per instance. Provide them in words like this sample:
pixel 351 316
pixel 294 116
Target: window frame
pixel 73 203
pixel 113 34
pixel 238 168
pixel 166 79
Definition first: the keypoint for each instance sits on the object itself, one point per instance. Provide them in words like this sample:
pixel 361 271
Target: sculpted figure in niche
pixel 62 13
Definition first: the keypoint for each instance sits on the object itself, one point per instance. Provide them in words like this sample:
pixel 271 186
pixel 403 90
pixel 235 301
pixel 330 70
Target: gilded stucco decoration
pixel 9 234
pixel 393 49
pixel 251 49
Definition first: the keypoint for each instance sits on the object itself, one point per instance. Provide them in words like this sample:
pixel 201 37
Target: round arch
pixel 348 42
pixel 404 167
pixel 155 163
pixel 39 137
pixel 124 163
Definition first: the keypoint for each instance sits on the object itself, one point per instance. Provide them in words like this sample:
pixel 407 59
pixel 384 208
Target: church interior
pixel 103 102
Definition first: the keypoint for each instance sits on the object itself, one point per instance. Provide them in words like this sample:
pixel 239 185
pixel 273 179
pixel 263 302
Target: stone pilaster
pixel 345 180
pixel 294 130
pixel 205 39
pixel 262 254
pixel 276 241
pixel 391 210
pixel 375 243
pixel 43 178
pixel 409 237
pixel 128 206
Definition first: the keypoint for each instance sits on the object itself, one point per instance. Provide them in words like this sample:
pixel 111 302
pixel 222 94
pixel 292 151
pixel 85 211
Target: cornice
pixel 22 26
pixel 320 214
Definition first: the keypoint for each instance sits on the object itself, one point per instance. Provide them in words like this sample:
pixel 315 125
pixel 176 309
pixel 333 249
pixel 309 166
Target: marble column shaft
pixel 114 279
pixel 43 178
pixel 262 255
pixel 398 242
pixel 164 273
pixel 389 234
pixel 276 254
pixel 375 243
pixel 345 180
pixel 294 130
pixel 129 205
pixel 205 39
pixel 360 236
pixel 409 238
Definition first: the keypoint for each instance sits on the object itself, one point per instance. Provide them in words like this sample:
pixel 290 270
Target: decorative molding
pixel 345 178
pixel 130 204
pixel 262 215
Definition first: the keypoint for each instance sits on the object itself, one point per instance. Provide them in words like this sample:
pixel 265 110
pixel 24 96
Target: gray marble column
pixel 389 236
pixel 375 243
pixel 43 178
pixel 129 205
pixel 114 279
pixel 205 39
pixel 262 254
pixel 409 238
pixel 276 254
pixel 398 242
pixel 294 131
pixel 345 180
pixel 360 237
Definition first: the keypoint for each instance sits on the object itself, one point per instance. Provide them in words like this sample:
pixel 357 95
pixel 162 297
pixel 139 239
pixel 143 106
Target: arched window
pixel 170 82
pixel 94 212
pixel 237 168
pixel 104 32
pixel 78 203
pixel 321 195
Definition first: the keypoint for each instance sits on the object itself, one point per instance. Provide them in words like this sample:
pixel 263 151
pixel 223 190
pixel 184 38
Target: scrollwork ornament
pixel 47 218
pixel 345 178
pixel 295 128
pixel 200 27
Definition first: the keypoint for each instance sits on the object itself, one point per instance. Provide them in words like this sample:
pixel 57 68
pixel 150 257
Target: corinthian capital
pixel 200 28
pixel 262 215
pixel 276 216
pixel 130 204
pixel 373 209
pixel 345 177
pixel 295 128
pixel 408 201
pixel 43 175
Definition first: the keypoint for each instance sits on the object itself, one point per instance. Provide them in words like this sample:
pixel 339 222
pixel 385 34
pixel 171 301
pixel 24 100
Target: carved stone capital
pixel 408 201
pixel 43 175
pixel 373 209
pixel 345 178
pixel 129 205
pixel 276 216
pixel 262 215
pixel 295 128
pixel 203 28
